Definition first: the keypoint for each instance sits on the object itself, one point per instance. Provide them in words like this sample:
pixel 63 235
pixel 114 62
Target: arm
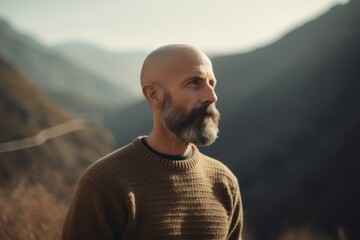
pixel 94 213
pixel 236 225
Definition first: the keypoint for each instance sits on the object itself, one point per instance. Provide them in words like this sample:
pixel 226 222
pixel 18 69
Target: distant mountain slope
pixel 121 69
pixel 57 163
pixel 129 122
pixel 290 127
pixel 55 73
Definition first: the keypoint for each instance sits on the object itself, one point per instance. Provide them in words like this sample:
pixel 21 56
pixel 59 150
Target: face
pixel 199 126
pixel 188 82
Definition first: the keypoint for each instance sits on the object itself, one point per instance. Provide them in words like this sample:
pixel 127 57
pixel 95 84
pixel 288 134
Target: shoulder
pixel 218 167
pixel 224 183
pixel 107 163
pixel 219 171
pixel 111 170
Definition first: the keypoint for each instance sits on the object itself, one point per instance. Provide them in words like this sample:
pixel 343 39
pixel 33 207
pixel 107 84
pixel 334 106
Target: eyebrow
pixel 198 74
pixel 197 77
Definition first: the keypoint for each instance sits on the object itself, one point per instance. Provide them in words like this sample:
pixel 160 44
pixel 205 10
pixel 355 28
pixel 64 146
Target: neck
pixel 168 143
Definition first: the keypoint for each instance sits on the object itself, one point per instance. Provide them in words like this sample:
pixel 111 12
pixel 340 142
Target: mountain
pixel 25 111
pixel 43 151
pixel 290 129
pixel 291 126
pixel 129 122
pixel 56 74
pixel 119 68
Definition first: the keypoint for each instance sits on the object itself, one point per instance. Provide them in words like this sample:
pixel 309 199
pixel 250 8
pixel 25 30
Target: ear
pixel 154 94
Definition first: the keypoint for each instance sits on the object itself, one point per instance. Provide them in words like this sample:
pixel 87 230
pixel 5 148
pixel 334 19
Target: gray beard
pixel 199 127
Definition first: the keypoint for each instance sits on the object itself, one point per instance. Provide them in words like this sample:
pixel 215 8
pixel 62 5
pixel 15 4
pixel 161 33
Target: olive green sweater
pixel 134 193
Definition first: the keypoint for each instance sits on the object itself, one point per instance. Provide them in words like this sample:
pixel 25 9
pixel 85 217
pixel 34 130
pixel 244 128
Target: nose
pixel 210 95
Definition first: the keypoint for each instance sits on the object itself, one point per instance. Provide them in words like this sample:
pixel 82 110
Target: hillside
pixel 290 128
pixel 24 112
pixel 36 183
pixel 56 74
pixel 129 122
pixel 120 68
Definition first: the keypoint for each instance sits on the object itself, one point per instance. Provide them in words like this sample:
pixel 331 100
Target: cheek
pixel 186 103
pixel 192 101
pixel 185 98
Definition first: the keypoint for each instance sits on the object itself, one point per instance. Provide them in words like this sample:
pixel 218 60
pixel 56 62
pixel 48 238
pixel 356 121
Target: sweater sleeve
pixel 236 225
pixel 94 213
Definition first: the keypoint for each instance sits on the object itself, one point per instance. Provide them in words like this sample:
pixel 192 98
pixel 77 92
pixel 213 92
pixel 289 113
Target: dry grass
pixel 30 213
pixel 308 233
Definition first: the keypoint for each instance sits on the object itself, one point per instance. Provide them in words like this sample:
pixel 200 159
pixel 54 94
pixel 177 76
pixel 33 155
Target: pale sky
pixel 127 25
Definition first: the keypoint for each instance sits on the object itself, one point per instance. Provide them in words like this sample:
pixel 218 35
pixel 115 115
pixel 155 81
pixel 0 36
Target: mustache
pixel 205 111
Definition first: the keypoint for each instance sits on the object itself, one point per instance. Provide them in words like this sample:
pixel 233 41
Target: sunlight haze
pixel 217 26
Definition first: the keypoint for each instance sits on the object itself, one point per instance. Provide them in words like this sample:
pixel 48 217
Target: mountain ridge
pixel 119 68
pixel 26 111
pixel 38 173
pixel 55 73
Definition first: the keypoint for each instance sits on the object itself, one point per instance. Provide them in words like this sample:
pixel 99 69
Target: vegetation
pixel 36 184
pixel 30 212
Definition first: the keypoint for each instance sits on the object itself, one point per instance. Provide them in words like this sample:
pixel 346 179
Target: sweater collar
pixel 170 157
pixel 181 165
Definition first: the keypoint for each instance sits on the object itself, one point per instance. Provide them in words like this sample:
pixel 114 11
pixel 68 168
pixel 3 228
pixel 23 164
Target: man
pixel 160 186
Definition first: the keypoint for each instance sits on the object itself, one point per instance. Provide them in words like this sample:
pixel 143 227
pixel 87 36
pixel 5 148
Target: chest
pixel 180 208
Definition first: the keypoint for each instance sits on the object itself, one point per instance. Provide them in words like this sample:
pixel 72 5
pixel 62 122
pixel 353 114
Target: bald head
pixel 179 84
pixel 160 64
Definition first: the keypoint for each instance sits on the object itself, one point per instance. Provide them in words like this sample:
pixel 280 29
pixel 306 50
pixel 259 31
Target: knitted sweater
pixel 133 193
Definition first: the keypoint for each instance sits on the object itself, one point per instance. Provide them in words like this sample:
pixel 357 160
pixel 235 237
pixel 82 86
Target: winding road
pixel 44 135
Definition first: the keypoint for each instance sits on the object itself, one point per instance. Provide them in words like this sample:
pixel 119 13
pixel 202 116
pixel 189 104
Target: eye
pixel 195 82
pixel 212 83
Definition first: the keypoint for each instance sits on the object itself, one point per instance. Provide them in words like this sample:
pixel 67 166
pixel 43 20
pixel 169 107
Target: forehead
pixel 191 64
pixel 201 70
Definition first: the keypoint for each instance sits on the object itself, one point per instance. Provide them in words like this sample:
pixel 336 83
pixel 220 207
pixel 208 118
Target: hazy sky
pixel 214 25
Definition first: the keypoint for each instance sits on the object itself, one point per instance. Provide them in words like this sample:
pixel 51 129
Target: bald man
pixel 160 186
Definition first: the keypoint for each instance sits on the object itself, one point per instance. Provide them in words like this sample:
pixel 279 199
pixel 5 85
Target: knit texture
pixel 133 193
